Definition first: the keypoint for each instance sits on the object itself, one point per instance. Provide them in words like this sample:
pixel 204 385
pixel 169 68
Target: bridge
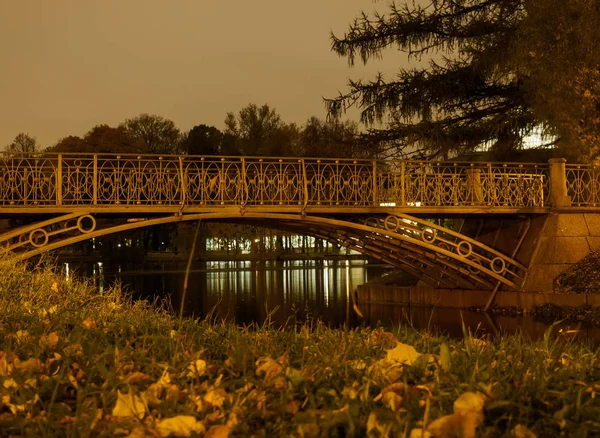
pixel 415 215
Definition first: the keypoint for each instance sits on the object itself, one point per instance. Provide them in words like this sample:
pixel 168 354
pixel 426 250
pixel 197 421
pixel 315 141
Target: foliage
pixel 491 74
pixel 331 138
pixel 160 135
pixel 74 362
pixel 259 131
pixel 102 138
pixel 203 140
pixel 23 143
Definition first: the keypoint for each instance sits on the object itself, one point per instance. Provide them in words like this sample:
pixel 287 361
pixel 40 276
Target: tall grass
pixel 70 356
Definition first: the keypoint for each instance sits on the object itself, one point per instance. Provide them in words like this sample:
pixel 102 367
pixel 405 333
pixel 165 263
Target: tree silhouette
pixel 23 143
pixel 495 70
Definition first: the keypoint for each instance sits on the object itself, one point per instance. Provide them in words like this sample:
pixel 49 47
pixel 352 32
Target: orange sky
pixel 68 65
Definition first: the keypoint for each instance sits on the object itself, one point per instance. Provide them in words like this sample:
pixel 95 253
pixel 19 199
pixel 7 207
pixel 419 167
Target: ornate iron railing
pixel 583 185
pixel 127 180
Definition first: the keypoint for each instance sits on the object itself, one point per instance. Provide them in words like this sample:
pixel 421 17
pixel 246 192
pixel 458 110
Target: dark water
pixel 290 292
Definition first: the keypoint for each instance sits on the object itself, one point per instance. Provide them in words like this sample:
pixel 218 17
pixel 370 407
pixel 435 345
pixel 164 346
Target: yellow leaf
pixel 54 287
pixel 468 414
pixel 31 364
pixel 218 431
pixel 419 433
pixel 272 371
pixel 173 393
pixel 521 431
pixel 5 367
pixel 129 405
pixel 31 383
pixel 137 377
pixel 392 400
pixel 22 335
pixel 469 402
pixel 216 397
pixel 138 432
pixel 89 324
pixel 445 427
pixel 165 379
pixel 197 368
pixel 49 341
pixel 153 393
pixel 403 353
pixel 181 425
pixel 10 383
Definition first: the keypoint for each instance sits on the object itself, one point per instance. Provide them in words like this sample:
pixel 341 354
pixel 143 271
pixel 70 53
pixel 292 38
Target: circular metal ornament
pixel 497 265
pixel 38 238
pixel 81 226
pixel 391 223
pixel 429 235
pixel 466 252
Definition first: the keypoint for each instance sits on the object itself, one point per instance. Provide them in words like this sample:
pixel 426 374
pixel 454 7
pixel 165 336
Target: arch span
pixel 438 256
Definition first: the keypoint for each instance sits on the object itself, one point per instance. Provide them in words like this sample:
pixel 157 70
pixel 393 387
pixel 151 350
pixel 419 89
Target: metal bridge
pixel 376 207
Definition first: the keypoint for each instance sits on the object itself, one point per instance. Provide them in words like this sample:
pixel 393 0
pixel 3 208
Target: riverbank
pixel 77 362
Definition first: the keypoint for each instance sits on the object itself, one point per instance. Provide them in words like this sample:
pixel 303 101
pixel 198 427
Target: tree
pixel 475 88
pixel 23 143
pixel 259 131
pixel 102 139
pixel 160 135
pixel 332 138
pixel 203 140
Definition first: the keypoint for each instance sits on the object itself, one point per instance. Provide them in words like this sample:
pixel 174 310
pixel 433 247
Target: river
pixel 291 292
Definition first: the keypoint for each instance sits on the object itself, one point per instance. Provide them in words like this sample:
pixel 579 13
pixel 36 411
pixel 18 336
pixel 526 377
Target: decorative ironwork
pixel 440 257
pixel 583 185
pixel 102 182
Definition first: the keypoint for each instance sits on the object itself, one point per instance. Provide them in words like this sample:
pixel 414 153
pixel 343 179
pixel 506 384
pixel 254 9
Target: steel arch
pixel 439 256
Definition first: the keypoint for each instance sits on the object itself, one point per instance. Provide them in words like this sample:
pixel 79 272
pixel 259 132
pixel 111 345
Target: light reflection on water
pixel 289 292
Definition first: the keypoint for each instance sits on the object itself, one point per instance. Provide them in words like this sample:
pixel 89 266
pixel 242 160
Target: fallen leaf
pixel 197 368
pixel 521 431
pixel 419 433
pixel 468 414
pixel 272 371
pixel 137 377
pixel 89 324
pixel 54 287
pixel 10 383
pixel 403 353
pixel 31 365
pixel 181 425
pixel 215 397
pixel 218 431
pixel 49 341
pixel 129 405
pixel 165 380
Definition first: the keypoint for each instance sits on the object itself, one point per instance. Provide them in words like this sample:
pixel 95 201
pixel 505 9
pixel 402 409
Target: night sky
pixel 68 65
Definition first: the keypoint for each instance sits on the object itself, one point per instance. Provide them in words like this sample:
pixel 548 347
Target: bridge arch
pixel 438 256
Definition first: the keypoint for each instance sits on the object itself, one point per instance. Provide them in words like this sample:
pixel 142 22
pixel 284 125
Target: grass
pixel 74 362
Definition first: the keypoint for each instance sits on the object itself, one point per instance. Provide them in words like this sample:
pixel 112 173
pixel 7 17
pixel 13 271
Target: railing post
pixel 58 182
pixel 304 183
pixel 182 179
pixel 558 183
pixel 95 181
pixel 244 183
pixel 474 187
pixel 375 203
pixel 403 184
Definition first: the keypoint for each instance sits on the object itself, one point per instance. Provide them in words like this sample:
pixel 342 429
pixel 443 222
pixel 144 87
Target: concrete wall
pixel 565 239
pixel 456 298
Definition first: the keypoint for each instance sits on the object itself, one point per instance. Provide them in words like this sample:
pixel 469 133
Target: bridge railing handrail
pixel 125 179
